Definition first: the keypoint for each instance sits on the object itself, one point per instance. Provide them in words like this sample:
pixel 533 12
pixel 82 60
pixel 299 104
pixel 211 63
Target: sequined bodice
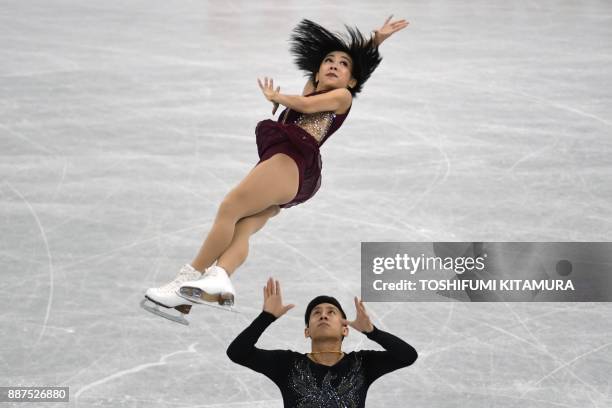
pixel 317 124
pixel 320 125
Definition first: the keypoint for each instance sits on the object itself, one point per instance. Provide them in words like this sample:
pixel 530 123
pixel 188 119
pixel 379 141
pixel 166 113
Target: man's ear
pixel 306 333
pixel 345 330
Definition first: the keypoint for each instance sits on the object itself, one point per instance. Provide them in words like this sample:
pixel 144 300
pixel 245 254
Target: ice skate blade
pixel 197 295
pixel 155 310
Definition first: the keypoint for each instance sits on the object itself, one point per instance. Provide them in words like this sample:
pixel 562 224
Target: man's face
pixel 325 322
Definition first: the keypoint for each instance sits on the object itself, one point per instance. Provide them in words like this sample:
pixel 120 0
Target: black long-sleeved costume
pixel 306 384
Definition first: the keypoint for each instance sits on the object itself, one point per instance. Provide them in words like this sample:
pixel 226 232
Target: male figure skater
pixel 326 377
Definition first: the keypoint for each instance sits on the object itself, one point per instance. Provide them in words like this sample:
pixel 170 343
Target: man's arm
pixel 243 351
pixel 397 354
pixel 271 363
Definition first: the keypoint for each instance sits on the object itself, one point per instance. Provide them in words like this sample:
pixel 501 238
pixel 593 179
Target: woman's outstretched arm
pixel 334 100
pixel 389 27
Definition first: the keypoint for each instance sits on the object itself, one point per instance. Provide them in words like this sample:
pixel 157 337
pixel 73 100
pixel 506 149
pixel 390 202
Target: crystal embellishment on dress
pixel 334 392
pixel 316 124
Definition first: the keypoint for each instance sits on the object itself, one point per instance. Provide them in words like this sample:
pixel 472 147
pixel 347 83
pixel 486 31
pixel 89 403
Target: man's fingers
pixel 278 289
pixel 269 287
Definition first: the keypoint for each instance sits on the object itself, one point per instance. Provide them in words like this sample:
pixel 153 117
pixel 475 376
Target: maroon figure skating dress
pixel 299 136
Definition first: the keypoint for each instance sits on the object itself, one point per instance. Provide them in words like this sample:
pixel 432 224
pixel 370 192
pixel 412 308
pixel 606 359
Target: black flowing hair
pixel 310 43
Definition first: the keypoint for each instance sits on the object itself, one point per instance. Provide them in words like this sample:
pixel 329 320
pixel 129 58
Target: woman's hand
pixel 273 301
pixel 268 90
pixel 388 28
pixel 362 321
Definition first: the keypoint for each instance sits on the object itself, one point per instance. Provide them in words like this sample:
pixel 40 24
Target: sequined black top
pixel 306 384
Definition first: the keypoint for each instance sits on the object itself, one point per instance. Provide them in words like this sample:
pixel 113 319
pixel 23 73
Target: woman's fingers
pixel 267 85
pixel 398 25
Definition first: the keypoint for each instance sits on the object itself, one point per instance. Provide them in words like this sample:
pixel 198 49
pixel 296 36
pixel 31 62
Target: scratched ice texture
pixel 124 123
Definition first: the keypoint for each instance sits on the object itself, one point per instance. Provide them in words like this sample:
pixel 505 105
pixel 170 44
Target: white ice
pixel 123 125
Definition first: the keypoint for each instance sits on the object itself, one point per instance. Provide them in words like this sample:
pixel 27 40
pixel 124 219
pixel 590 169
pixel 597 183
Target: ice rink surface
pixel 123 125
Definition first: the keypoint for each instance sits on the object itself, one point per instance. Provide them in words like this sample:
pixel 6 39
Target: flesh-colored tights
pixel 245 210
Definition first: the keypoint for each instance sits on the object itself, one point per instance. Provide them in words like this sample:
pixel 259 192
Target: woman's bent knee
pixel 230 208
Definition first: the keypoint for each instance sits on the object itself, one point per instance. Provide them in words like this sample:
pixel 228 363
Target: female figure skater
pixel 289 169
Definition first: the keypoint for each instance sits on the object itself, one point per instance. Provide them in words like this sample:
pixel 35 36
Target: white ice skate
pixel 215 286
pixel 166 296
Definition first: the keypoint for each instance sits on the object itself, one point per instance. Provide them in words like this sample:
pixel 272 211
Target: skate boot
pixel 166 296
pixel 215 286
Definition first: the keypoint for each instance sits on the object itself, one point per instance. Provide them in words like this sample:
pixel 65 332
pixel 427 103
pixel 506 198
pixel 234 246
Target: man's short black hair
pixel 317 301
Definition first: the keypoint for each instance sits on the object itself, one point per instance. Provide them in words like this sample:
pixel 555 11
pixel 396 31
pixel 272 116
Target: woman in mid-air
pixel 289 169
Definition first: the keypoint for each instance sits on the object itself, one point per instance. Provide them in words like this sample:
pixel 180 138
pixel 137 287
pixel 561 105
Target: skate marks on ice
pixel 162 361
pixel 43 235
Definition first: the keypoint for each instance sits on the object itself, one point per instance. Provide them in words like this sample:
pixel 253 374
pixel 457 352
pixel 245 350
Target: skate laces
pixel 214 272
pixel 184 275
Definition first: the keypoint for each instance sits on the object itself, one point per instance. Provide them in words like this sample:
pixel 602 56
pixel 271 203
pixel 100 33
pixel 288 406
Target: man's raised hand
pixel 273 300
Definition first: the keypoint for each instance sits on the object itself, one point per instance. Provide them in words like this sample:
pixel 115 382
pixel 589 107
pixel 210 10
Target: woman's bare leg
pixel 272 182
pixel 237 251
